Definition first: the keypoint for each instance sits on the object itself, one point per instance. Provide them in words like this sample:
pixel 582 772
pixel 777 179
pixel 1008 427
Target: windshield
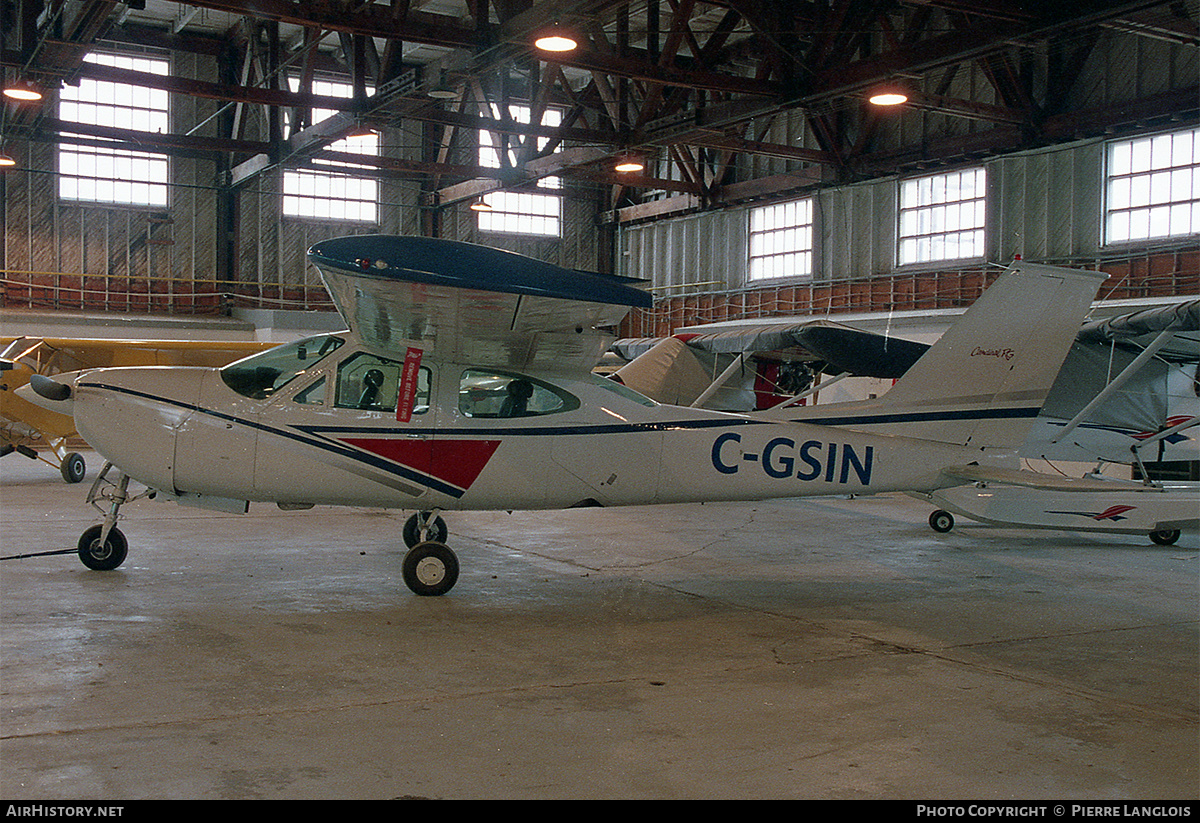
pixel 261 375
pixel 617 387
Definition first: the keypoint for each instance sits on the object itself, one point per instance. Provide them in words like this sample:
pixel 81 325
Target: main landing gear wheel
pixel 941 521
pixel 430 569
pixel 1164 537
pixel 73 467
pixel 104 556
pixel 435 529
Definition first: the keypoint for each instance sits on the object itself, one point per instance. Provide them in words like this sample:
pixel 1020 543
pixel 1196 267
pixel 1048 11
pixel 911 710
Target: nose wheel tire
pixel 104 556
pixel 430 569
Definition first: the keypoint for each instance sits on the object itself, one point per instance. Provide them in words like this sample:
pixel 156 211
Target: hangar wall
pixel 1043 206
pixel 64 255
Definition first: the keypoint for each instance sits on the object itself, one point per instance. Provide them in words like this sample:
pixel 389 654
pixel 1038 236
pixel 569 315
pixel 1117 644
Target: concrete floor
pixel 799 649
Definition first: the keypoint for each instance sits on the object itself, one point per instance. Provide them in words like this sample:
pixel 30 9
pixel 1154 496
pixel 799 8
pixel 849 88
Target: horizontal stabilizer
pixel 1032 480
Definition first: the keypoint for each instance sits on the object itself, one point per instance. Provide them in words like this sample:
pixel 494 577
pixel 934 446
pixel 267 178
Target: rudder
pixel 984 381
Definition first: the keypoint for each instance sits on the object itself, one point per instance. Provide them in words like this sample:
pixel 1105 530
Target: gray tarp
pixel 845 349
pixel 1101 351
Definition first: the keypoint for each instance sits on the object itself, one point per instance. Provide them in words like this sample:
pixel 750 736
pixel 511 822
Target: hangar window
pixel 93 173
pixel 520 212
pixel 325 193
pixel 1153 187
pixel 942 217
pixel 502 394
pixel 781 240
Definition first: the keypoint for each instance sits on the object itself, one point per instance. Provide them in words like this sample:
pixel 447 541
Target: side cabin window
pixel 485 393
pixel 372 383
pixel 261 375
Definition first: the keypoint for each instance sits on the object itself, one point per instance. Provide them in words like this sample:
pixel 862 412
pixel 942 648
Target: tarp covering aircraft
pixel 469 386
pixel 1126 393
pixel 1157 394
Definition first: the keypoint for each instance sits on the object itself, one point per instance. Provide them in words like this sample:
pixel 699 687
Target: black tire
pixel 430 569
pixel 73 467
pixel 941 521
pixel 102 558
pixel 412 531
pixel 1164 537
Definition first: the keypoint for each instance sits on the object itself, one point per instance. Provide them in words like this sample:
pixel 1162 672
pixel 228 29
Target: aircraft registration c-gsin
pixel 464 382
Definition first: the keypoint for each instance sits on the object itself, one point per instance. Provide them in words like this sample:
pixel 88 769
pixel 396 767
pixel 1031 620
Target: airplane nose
pixel 131 416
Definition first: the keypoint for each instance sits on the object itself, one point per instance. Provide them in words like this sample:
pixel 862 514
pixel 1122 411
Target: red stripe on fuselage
pixel 457 462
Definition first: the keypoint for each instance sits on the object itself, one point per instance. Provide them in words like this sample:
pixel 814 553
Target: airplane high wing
pixel 465 383
pixel 41 434
pixel 461 301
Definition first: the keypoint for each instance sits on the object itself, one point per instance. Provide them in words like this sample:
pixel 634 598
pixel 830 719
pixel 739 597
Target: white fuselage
pixel 589 442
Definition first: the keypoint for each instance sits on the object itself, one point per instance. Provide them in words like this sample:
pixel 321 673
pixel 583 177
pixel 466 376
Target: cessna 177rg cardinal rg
pixel 464 382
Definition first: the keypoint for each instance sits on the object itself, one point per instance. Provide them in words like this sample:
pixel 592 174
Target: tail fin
pixel 984 381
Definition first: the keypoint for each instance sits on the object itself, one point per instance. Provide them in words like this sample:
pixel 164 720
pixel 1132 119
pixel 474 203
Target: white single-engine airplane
pixel 464 383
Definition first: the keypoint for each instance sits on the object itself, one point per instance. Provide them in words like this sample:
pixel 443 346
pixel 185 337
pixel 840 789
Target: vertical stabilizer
pixel 984 381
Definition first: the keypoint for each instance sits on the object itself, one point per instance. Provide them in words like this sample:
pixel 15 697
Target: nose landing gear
pixel 103 547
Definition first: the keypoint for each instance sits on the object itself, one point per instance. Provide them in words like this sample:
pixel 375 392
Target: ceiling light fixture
pixel 480 205
pixel 892 94
pixel 6 161
pixel 555 38
pixel 361 130
pixel 23 91
pixel 629 163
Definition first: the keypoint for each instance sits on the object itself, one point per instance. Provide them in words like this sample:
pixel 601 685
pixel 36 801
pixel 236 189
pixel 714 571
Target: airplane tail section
pixel 984 381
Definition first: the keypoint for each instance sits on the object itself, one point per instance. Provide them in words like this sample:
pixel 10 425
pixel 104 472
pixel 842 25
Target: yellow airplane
pixel 45 435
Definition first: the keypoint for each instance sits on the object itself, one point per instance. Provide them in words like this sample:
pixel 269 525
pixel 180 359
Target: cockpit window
pixel 501 394
pixel 372 383
pixel 261 375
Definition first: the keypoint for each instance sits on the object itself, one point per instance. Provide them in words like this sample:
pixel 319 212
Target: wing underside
pixel 463 302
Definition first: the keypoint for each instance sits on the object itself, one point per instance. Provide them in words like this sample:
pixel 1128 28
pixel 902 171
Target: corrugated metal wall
pixel 1043 205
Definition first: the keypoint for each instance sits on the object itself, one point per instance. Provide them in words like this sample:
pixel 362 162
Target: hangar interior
pixel 164 167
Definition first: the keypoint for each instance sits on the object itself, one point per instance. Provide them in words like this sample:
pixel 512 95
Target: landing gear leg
pixel 424 526
pixel 103 547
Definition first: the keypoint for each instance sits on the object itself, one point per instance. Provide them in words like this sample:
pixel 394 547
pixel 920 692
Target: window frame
pixel 315 186
pixel 568 402
pixel 72 158
pixel 937 212
pixel 1175 172
pixel 520 212
pixel 776 229
pixel 345 377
